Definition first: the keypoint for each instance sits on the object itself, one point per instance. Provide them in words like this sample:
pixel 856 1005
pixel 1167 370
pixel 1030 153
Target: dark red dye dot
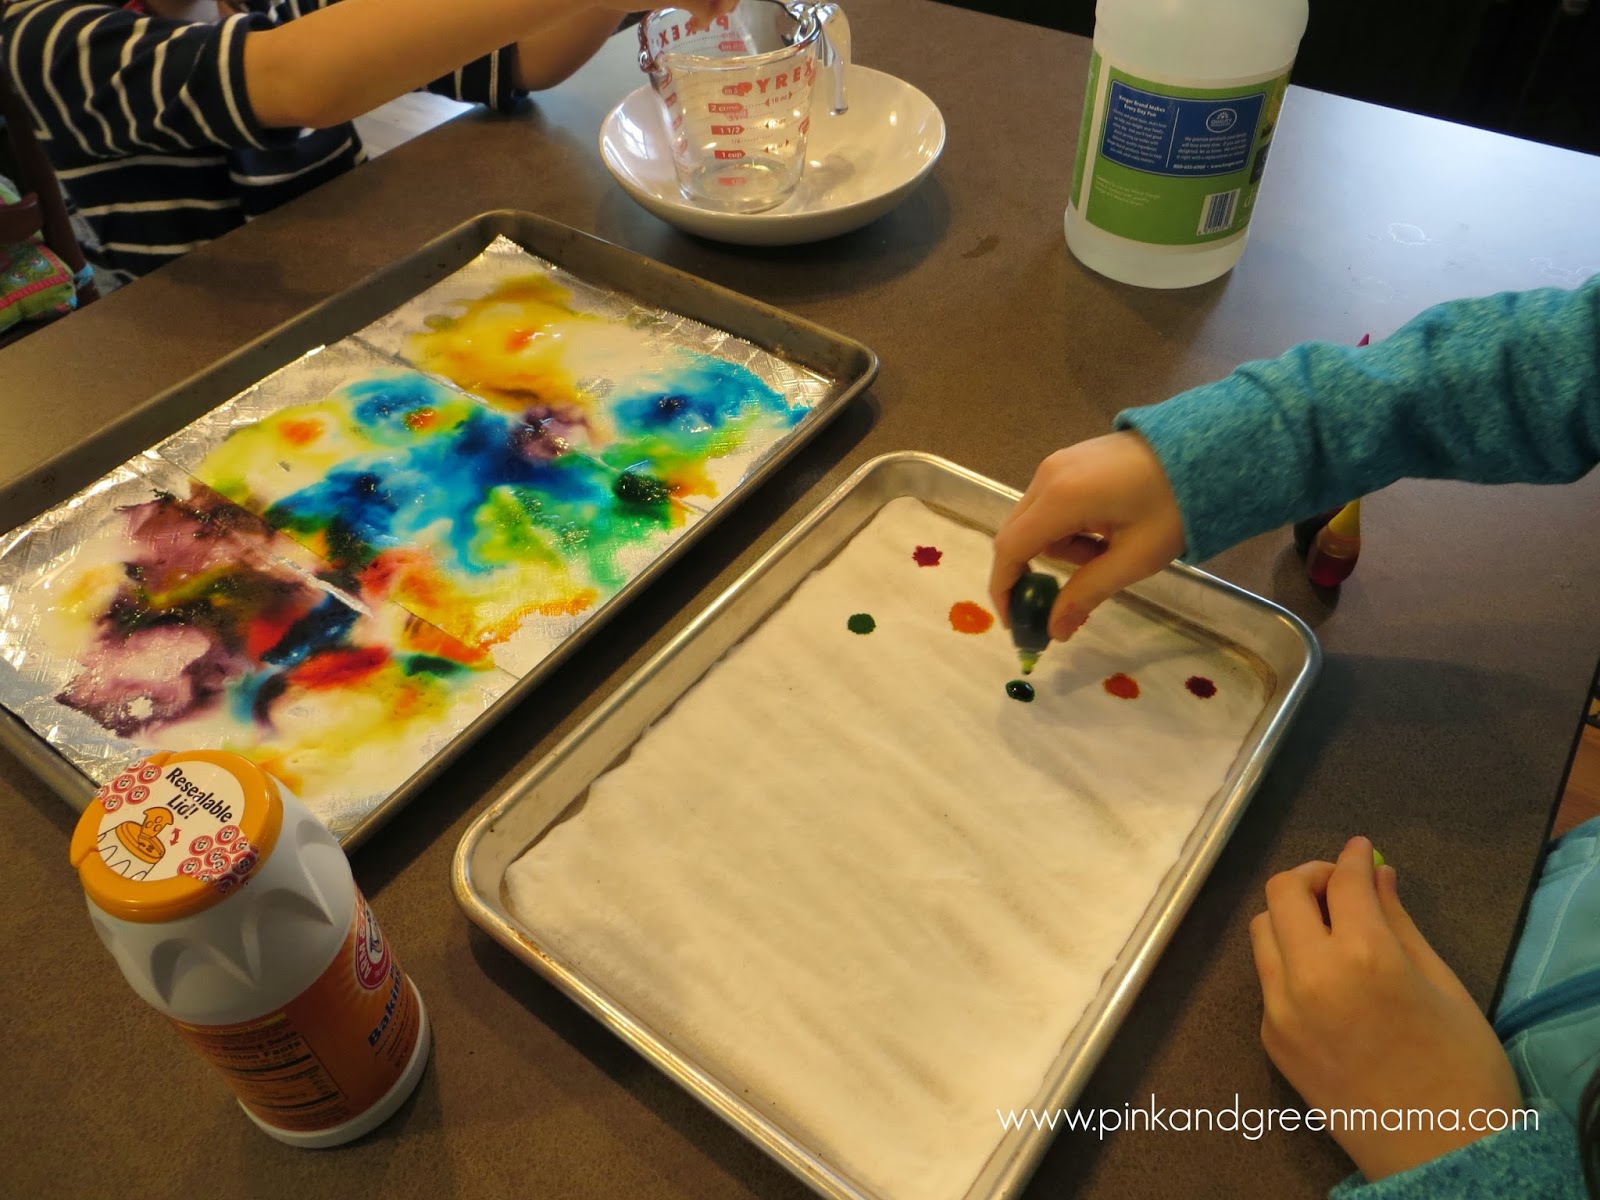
pixel 927 556
pixel 1201 686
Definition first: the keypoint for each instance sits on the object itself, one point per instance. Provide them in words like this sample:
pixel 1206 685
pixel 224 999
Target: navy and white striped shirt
pixel 149 125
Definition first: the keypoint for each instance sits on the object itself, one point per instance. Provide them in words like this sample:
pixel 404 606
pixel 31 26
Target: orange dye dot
pixel 520 339
pixel 1123 687
pixel 421 419
pixel 301 433
pixel 967 617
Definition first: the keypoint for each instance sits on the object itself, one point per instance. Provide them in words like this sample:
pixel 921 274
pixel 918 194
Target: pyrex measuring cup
pixel 736 95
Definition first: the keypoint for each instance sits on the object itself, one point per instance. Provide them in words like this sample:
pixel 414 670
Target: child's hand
pixel 1113 486
pixel 1360 1013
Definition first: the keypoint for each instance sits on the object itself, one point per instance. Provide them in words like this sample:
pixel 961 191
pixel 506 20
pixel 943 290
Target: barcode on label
pixel 1216 213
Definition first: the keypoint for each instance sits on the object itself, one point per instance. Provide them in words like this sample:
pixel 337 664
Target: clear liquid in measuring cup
pixel 750 157
pixel 737 99
pixel 747 187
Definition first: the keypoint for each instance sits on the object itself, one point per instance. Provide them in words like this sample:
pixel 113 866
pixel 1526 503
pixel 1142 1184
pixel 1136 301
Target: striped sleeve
pixel 104 82
pixel 490 80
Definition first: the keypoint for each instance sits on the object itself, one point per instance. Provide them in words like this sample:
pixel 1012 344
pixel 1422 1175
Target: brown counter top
pixel 1457 657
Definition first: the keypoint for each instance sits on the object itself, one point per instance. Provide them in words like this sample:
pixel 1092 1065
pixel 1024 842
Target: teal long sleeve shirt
pixel 1504 389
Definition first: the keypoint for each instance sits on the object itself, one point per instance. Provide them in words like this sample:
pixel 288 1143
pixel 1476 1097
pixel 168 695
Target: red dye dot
pixel 1123 687
pixel 967 617
pixel 421 419
pixel 520 339
pixel 335 668
pixel 927 556
pixel 1201 686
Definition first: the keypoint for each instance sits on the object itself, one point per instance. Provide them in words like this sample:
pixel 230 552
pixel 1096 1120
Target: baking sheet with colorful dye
pixel 339 570
pixel 849 875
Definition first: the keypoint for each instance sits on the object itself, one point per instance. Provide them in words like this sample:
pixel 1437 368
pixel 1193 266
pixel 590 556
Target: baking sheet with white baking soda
pixel 818 861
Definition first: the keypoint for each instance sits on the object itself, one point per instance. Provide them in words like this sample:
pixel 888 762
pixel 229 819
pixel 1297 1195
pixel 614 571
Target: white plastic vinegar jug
pixel 1179 113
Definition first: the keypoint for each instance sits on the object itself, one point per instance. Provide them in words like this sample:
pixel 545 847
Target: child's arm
pixel 1498 390
pixel 341 61
pixel 105 82
pixel 554 52
pixel 1505 389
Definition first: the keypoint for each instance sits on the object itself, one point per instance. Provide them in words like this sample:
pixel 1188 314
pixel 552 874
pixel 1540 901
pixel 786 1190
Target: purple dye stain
pixel 209 618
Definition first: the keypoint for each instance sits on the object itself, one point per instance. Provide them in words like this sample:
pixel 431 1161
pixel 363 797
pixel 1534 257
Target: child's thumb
pixel 1126 560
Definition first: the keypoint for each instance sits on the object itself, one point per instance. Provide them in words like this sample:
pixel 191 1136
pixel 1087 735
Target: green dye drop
pixel 862 623
pixel 634 487
pixel 1020 689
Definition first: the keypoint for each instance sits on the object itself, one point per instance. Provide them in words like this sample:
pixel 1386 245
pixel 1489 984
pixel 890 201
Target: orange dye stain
pixel 406 702
pixel 300 433
pixel 569 606
pixel 423 638
pixel 520 338
pixel 967 617
pixel 423 418
pixel 1123 687
pixel 493 633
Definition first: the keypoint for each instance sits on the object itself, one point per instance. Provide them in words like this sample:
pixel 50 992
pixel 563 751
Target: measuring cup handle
pixel 647 60
pixel 835 51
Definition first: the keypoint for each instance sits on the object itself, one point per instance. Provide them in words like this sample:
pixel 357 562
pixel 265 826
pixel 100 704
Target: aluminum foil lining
pixel 220 591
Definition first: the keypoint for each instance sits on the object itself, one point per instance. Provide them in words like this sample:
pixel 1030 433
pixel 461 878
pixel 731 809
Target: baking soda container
pixel 1182 102
pixel 231 909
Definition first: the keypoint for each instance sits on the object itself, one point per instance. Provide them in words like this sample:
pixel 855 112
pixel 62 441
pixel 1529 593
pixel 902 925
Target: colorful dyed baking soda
pixel 189 858
pixel 1032 598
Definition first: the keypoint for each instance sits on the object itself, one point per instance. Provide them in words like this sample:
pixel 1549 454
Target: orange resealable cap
pixel 176 833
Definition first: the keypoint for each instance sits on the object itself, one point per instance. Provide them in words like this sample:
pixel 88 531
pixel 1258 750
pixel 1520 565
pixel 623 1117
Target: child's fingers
pixel 1294 905
pixel 1268 958
pixel 1027 532
pixel 1004 573
pixel 1352 889
pixel 1128 556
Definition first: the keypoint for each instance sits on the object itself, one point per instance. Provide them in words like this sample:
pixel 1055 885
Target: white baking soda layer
pixel 855 882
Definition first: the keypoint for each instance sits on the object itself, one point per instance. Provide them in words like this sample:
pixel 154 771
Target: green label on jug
pixel 1172 166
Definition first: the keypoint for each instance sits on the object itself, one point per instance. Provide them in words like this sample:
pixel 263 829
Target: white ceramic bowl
pixel 859 164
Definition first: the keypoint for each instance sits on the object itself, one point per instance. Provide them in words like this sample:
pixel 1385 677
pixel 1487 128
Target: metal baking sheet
pixel 607 280
pixel 1281 648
